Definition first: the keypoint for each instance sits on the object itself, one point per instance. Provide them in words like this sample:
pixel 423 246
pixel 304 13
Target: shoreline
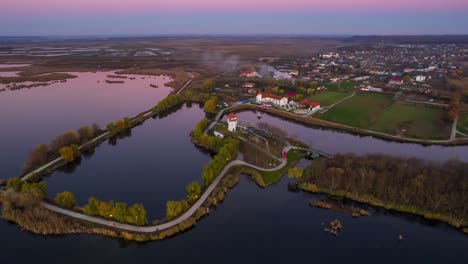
pixel 352 130
pixel 455 223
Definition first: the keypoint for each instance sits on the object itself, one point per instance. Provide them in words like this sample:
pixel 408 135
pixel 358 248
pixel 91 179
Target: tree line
pixel 410 184
pixel 42 153
pixel 454 107
pixel 121 212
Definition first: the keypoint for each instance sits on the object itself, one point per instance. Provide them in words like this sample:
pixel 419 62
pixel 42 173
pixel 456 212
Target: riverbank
pixel 357 131
pixel 434 191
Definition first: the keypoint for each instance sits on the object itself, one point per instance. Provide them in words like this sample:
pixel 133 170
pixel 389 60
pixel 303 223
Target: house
pixel 396 81
pixel 232 122
pixel 248 73
pixel 420 78
pixel 377 87
pixel 276 100
pixel 312 105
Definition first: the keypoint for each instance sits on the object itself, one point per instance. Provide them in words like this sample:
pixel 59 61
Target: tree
pixel 120 212
pixel 111 128
pixel 92 207
pixel 137 215
pixel 37 190
pixel 67 154
pixel 295 172
pixel 188 95
pixel 313 84
pixel 68 138
pixel 126 121
pixel 14 184
pixel 120 125
pixel 37 156
pixel 65 199
pixel 210 105
pixel 208 85
pixel 406 78
pixel 193 191
pixel 175 208
pixel 310 91
pixel 86 133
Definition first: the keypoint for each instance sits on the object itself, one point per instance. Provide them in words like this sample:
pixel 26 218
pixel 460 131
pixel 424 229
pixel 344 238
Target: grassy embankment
pixel 381 113
pixel 264 178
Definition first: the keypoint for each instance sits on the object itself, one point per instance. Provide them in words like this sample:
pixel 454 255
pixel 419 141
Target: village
pixel 412 81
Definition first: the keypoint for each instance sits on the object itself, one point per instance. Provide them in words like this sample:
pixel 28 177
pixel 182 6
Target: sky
pixel 178 17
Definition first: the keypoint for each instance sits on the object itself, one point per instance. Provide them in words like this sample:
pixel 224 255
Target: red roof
pixel 277 97
pixel 231 116
pixel 396 79
pixel 309 103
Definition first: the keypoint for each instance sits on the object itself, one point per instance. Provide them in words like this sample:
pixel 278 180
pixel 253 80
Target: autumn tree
pixel 86 133
pixel 175 208
pixel 14 183
pixel 37 157
pixel 65 199
pixel 295 172
pixel 208 85
pixel 210 105
pixel 193 191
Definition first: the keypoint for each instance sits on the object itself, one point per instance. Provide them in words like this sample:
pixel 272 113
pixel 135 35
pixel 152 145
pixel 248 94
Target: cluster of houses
pixel 284 102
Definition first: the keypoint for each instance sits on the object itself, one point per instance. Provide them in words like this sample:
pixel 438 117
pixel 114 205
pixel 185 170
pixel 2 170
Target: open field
pixel 340 87
pixel 412 121
pixel 271 177
pixel 360 111
pixel 328 98
pixel 463 123
pixel 379 112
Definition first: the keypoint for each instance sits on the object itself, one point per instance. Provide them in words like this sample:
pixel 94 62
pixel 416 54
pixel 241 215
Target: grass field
pixel 340 87
pixel 379 112
pixel 328 98
pixel 361 111
pixel 271 177
pixel 412 121
pixel 463 123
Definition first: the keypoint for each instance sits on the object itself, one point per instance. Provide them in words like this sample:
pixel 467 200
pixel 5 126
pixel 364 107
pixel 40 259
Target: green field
pixel 379 112
pixel 362 110
pixel 328 98
pixel 271 177
pixel 340 87
pixel 463 123
pixel 412 121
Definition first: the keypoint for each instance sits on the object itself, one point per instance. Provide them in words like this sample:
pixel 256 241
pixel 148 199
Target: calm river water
pixel 252 225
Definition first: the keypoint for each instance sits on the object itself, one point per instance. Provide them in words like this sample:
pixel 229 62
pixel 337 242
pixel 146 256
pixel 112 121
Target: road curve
pixel 176 221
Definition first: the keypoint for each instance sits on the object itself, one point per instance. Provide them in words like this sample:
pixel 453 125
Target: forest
pixel 434 190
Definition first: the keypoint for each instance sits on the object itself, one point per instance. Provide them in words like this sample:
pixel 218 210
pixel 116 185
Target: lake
pixel 37 115
pixel 252 225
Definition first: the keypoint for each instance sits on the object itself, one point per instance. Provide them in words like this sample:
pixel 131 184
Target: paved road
pixel 176 221
pixel 183 87
pixel 29 175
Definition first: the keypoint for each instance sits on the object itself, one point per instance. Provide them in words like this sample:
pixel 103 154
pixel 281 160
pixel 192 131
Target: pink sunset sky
pixel 86 6
pixel 166 17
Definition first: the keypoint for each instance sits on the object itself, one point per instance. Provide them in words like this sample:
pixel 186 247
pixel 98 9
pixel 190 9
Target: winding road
pixel 179 219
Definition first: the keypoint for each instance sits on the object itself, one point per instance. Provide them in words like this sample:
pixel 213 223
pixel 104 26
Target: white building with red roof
pixel 312 105
pixel 276 100
pixel 232 122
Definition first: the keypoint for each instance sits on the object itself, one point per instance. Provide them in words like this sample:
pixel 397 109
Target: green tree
pixel 15 184
pixel 65 199
pixel 175 208
pixel 208 85
pixel 137 215
pixel 37 190
pixel 310 91
pixel 188 95
pixel 92 208
pixel 193 191
pixel 313 84
pixel 111 128
pixel 37 157
pixel 126 121
pixel 86 133
pixel 120 212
